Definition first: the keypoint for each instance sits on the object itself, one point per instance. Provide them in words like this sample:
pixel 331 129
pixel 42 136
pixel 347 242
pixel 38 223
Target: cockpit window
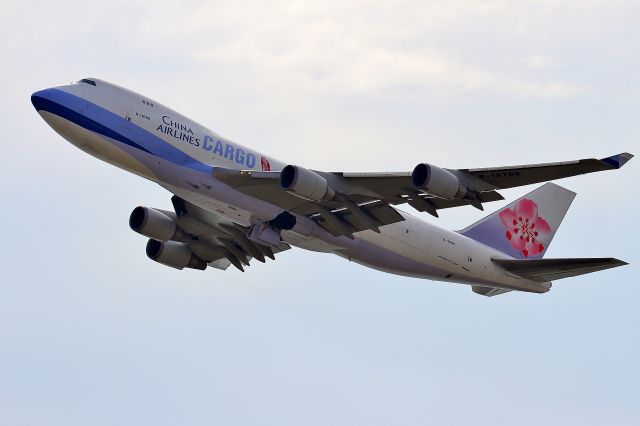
pixel 86 80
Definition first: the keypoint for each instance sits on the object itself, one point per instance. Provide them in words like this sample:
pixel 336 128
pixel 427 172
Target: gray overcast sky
pixel 92 332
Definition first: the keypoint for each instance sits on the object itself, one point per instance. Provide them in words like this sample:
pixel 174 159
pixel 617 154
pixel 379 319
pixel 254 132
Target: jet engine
pixel 155 224
pixel 305 184
pixel 439 182
pixel 174 254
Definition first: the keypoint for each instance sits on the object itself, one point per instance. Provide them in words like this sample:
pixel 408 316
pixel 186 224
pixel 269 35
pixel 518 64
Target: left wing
pixel 344 203
pixel 192 237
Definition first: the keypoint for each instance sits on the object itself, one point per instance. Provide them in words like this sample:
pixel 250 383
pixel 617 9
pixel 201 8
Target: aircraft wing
pixel 355 210
pixel 509 177
pixel 218 241
pixel 359 201
pixel 398 185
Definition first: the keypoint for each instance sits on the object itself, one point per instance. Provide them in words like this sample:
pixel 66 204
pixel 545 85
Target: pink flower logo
pixel 525 228
pixel 264 162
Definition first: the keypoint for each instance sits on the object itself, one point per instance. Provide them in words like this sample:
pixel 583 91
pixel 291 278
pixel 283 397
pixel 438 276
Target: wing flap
pixel 545 270
pixel 444 203
pixel 380 212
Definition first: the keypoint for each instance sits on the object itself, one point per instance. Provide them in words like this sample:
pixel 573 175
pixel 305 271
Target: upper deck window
pixel 86 80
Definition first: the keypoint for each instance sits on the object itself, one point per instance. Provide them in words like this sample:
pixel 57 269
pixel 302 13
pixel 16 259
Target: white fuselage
pixel 146 138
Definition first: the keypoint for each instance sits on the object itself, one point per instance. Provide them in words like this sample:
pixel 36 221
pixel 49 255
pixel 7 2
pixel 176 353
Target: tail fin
pixel 525 228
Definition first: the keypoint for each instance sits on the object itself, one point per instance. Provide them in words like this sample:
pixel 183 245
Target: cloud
pixel 308 48
pixel 366 68
pixel 539 61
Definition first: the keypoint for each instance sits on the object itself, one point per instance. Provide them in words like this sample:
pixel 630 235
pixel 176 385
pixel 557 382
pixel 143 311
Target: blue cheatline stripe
pixel 106 123
pixel 44 104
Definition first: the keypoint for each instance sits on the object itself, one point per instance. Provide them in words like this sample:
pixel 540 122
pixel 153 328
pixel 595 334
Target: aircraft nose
pixel 42 99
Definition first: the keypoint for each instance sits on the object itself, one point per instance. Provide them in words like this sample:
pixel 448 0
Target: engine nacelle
pixel 155 224
pixel 174 254
pixel 439 182
pixel 305 184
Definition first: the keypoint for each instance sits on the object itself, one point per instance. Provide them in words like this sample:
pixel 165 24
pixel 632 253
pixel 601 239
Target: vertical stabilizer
pixel 525 228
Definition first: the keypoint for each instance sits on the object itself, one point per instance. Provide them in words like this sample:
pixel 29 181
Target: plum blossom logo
pixel 525 228
pixel 264 162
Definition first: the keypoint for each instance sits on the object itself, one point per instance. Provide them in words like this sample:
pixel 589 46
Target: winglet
pixel 618 160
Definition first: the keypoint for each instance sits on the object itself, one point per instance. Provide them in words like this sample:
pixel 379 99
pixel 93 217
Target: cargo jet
pixel 232 204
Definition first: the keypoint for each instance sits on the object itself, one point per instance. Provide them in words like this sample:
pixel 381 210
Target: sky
pixel 93 332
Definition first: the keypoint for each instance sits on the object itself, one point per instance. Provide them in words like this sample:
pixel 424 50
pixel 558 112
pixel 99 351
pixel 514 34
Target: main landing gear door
pixel 268 233
pixel 264 234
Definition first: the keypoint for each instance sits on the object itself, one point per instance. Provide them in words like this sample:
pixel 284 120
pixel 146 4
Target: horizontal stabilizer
pixel 544 270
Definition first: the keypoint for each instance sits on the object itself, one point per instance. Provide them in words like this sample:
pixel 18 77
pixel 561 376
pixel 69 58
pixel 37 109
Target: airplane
pixel 232 204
